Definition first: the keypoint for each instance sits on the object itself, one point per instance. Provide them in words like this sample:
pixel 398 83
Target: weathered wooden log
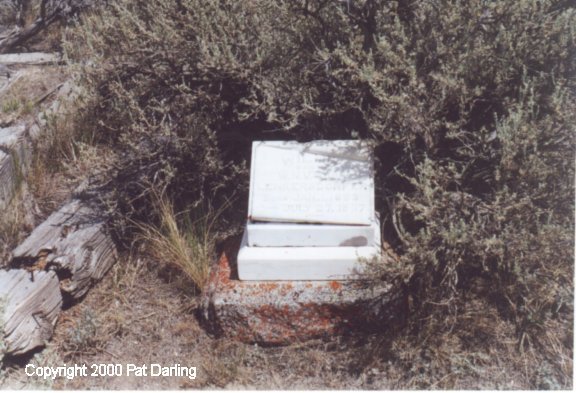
pixel 18 37
pixel 14 160
pixel 31 58
pixel 50 12
pixel 29 307
pixel 73 242
pixel 6 176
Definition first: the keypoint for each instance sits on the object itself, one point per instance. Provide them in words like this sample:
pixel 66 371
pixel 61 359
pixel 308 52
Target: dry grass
pixel 479 350
pixel 38 190
pixel 183 240
pixel 50 189
pixel 65 137
pixel 134 317
pixel 14 105
pixel 66 155
pixel 29 89
pixel 30 92
pixel 87 330
pixel 15 221
pixel 137 315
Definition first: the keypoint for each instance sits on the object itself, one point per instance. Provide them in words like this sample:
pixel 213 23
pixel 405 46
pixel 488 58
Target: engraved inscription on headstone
pixel 316 182
pixel 311 211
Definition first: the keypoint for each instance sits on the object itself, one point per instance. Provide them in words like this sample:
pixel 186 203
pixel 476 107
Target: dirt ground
pixel 142 314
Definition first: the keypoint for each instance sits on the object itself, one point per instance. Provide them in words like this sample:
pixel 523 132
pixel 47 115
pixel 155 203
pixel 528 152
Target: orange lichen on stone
pixel 335 285
pixel 224 269
pixel 267 287
pixel 285 289
pixel 278 313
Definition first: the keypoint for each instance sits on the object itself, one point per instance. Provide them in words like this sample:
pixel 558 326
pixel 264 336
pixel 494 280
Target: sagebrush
pixel 469 106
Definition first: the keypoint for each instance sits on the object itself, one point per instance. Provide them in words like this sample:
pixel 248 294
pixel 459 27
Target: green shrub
pixel 469 105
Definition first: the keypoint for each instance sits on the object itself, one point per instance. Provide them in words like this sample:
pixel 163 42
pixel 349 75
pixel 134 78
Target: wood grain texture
pixel 73 242
pixel 29 307
pixel 6 179
pixel 15 158
pixel 32 58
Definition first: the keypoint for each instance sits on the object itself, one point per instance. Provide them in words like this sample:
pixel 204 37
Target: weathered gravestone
pixel 311 211
pixel 311 218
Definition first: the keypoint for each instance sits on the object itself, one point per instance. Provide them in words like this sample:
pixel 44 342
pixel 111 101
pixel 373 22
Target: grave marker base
pixel 302 263
pixel 286 312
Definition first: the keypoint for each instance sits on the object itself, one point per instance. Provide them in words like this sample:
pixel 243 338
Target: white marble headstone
pixel 311 211
pixel 326 182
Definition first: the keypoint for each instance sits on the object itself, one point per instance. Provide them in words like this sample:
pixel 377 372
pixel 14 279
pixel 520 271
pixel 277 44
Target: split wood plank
pixel 6 178
pixel 14 159
pixel 73 242
pixel 29 308
pixel 32 58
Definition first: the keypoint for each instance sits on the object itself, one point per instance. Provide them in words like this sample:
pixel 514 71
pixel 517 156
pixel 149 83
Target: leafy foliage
pixel 469 105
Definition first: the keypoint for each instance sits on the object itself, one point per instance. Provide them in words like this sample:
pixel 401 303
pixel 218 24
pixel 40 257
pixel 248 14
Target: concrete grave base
pixel 302 263
pixel 285 312
pixel 273 234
